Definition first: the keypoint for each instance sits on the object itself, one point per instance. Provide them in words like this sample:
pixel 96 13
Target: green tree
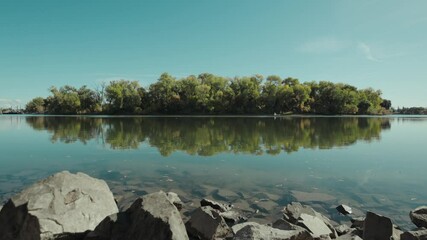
pixel 123 96
pixel 36 105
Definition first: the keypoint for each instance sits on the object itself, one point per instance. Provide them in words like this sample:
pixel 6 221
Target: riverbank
pixel 77 206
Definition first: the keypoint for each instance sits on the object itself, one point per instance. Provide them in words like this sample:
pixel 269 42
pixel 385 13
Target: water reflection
pixel 207 136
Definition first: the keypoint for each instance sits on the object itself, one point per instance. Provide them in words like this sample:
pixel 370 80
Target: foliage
pixel 211 94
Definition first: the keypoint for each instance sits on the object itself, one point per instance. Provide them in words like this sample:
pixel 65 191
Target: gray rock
pixel 174 198
pixel 419 216
pixel 344 209
pixel 255 231
pixel 62 204
pixel 379 227
pixel 315 225
pixel 342 229
pixel 152 216
pixel 293 211
pixel 232 217
pixel 285 225
pixel 357 222
pixel 353 234
pixel 206 223
pixel 215 205
pixel 414 235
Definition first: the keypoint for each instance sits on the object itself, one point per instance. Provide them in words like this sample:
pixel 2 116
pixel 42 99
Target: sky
pixel 379 44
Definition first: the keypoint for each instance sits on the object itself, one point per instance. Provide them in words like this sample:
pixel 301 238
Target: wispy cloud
pixel 323 45
pixel 367 52
pixel 4 102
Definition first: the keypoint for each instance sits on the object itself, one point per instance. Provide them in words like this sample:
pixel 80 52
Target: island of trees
pixel 211 94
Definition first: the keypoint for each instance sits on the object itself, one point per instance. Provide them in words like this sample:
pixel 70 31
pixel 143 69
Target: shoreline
pixel 297 219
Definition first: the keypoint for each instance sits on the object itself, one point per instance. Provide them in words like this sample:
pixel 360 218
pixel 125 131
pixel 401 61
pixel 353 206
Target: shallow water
pixel 256 163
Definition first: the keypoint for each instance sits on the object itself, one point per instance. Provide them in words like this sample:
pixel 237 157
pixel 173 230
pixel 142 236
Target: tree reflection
pixel 208 136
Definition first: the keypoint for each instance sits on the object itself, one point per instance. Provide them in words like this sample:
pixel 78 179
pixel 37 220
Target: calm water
pixel 257 163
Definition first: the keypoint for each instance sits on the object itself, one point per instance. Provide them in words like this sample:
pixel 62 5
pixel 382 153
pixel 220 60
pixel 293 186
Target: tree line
pixel 211 94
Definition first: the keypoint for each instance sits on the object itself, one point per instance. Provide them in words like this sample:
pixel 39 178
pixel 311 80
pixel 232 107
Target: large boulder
pixel 152 216
pixel 419 216
pixel 207 223
pixel 62 204
pixel 255 231
pixel 379 227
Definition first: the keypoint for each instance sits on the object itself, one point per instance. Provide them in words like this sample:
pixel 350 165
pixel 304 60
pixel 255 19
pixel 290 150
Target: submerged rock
pixel 255 231
pixel 419 216
pixel 64 203
pixel 206 223
pixel 344 209
pixel 152 216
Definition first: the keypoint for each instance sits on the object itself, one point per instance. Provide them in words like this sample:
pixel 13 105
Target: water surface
pixel 256 163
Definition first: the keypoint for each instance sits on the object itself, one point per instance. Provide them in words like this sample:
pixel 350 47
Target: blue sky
pixel 379 44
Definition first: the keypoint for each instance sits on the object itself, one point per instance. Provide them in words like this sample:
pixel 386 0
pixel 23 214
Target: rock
pixel 344 209
pixel 419 216
pixel 232 217
pixel 353 234
pixel 152 216
pixel 414 235
pixel 315 225
pixel 294 210
pixel 255 231
pixel 379 227
pixel 357 222
pixel 206 223
pixel 285 225
pixel 342 229
pixel 174 198
pixel 215 205
pixel 61 204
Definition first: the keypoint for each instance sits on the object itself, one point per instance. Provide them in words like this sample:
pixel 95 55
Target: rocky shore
pixel 78 207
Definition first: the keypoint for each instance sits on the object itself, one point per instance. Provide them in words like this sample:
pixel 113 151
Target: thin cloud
pixel 367 52
pixel 323 45
pixel 9 102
